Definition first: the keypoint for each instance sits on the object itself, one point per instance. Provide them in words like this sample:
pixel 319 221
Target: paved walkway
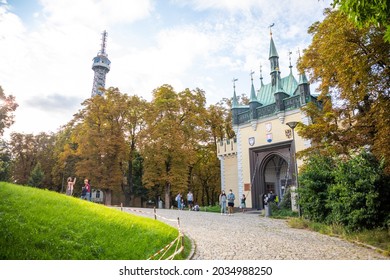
pixel 252 237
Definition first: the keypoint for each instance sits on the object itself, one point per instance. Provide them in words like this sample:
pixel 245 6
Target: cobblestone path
pixel 253 237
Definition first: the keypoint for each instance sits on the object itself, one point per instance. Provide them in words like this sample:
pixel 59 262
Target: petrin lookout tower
pixel 101 66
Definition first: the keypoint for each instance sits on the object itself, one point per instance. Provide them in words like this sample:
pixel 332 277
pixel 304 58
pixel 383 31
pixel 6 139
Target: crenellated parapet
pixel 227 147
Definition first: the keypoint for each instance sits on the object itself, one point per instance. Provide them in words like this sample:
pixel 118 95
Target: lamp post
pixel 292 125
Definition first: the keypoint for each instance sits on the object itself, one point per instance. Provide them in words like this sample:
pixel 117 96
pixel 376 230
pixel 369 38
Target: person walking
pixel 222 202
pixel 83 192
pixel 70 186
pixel 178 200
pixel 243 203
pixel 87 190
pixel 230 199
pixel 190 200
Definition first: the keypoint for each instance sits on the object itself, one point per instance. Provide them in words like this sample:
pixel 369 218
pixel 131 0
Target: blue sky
pixel 47 47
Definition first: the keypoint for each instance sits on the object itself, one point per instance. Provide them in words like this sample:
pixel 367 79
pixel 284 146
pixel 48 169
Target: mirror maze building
pixel 261 157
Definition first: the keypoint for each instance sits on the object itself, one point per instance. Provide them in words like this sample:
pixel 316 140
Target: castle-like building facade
pixel 261 157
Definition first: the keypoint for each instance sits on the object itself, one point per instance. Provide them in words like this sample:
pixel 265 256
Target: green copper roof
pixel 290 84
pixel 303 79
pixel 266 96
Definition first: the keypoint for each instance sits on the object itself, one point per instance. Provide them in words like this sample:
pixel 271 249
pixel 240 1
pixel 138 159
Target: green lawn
pixel 38 224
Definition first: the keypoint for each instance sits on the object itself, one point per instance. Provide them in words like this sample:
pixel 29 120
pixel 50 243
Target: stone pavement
pixel 249 236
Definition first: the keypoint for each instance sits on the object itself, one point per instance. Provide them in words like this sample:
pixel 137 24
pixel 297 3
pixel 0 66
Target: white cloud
pixel 226 5
pixel 95 14
pixel 175 52
pixel 50 60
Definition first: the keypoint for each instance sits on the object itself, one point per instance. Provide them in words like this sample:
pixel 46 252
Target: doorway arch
pixel 270 171
pixel 275 173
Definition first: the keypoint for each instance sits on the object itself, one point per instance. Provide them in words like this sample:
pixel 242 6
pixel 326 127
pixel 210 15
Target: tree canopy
pixel 175 129
pixel 365 13
pixel 351 67
pixel 7 107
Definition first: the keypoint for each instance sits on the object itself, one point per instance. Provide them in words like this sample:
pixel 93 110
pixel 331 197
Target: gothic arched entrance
pixel 275 174
pixel 269 171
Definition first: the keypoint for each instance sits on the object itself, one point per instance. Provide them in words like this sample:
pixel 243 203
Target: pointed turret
pixel 276 82
pixel 253 102
pixel 303 79
pixel 274 61
pixel 234 101
pixel 235 104
pixel 304 88
pixel 272 49
pixel 253 97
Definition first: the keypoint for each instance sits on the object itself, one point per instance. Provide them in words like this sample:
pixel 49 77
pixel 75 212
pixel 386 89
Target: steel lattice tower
pixel 101 66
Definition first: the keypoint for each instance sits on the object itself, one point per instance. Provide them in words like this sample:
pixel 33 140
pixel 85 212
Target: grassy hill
pixel 38 224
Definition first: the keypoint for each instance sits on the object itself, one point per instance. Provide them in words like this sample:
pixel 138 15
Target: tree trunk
pixel 129 191
pixel 189 178
pixel 107 197
pixel 167 195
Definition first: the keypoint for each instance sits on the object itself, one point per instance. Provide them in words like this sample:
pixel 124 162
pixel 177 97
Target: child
pixel 243 205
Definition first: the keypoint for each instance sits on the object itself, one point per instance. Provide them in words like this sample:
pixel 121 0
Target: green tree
pixel 44 143
pixel 5 161
pixel 65 158
pixel 23 153
pixel 27 151
pixel 7 107
pixel 315 179
pixel 100 141
pixel 206 176
pixel 134 115
pixel 139 189
pixel 171 138
pixel 354 199
pixel 351 67
pixel 352 191
pixel 365 13
pixel 36 176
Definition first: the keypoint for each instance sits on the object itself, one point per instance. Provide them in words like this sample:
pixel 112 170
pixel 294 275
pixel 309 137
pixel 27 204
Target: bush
pixel 314 182
pixel 350 192
pixel 298 223
pixel 286 201
pixel 354 198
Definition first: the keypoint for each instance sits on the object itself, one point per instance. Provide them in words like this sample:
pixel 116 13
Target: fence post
pixel 155 216
pixel 121 206
pixel 181 235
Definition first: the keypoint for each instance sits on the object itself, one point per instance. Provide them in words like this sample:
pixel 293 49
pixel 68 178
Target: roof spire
pixel 289 58
pixel 272 48
pixel 234 102
pixel 261 76
pixel 253 93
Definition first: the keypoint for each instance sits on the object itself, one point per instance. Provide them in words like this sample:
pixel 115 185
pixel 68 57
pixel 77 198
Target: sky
pixel 47 47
